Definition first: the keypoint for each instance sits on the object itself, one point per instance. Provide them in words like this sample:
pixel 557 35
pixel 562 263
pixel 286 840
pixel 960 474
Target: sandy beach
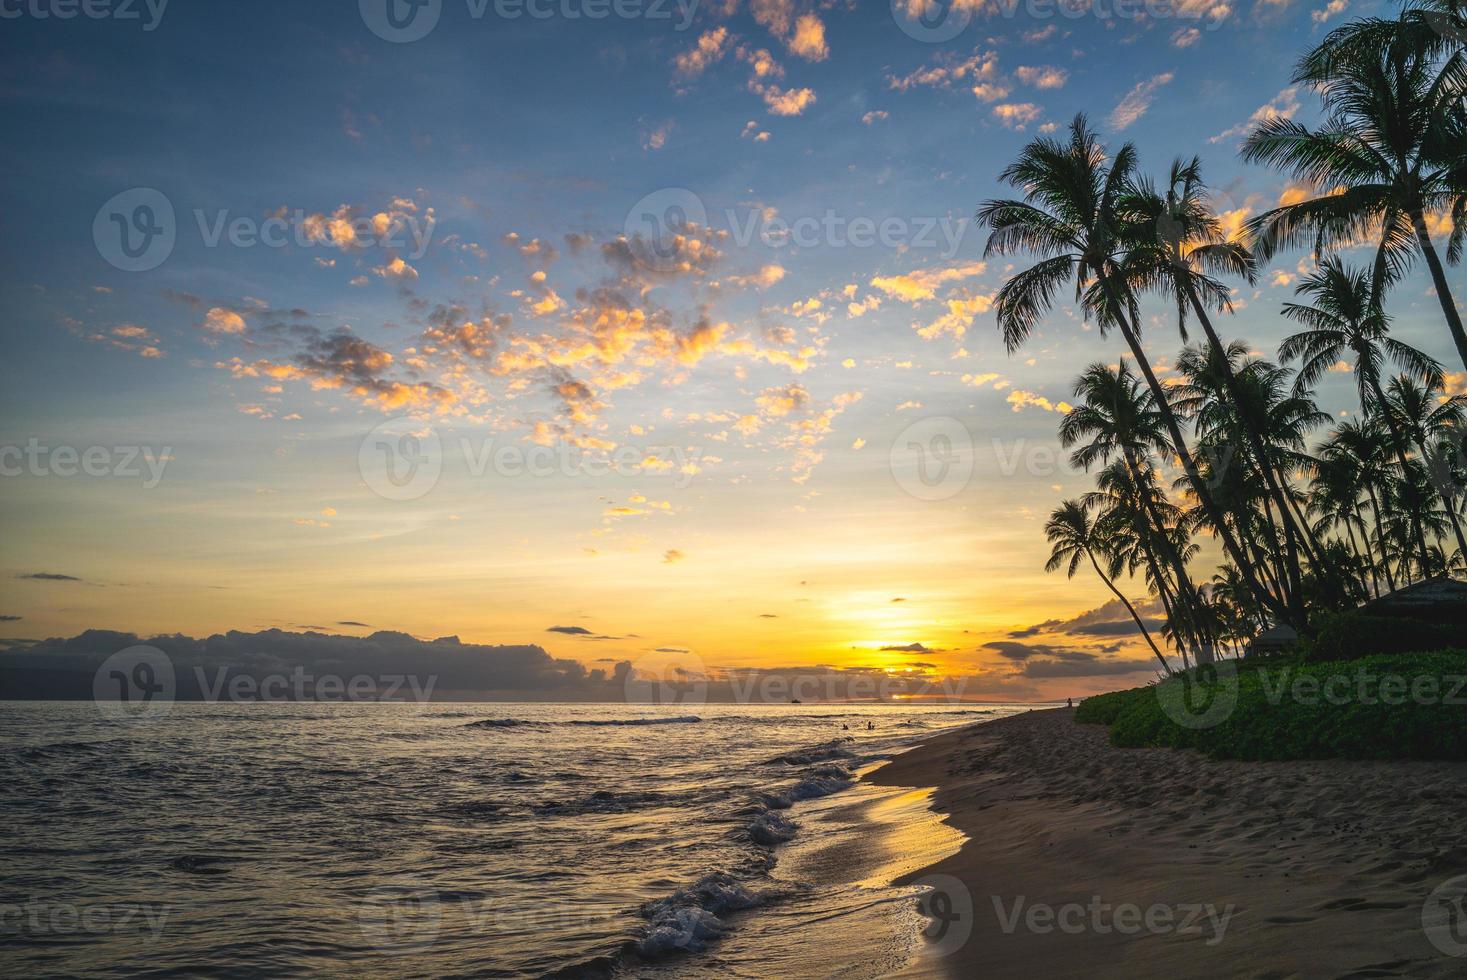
pixel 1084 860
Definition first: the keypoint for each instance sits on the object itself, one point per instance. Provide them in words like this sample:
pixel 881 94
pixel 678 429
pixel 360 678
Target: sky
pixel 631 331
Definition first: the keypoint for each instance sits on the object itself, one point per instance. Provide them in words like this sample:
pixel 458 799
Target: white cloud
pixel 1137 101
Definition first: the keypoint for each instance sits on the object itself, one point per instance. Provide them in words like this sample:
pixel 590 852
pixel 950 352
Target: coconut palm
pixel 1118 417
pixel 1432 421
pixel 1068 217
pixel 1392 152
pixel 1072 537
pixel 1181 248
pixel 1346 318
pixel 1364 446
pixel 1145 531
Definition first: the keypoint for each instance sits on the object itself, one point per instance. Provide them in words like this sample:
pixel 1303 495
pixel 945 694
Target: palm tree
pixel 1392 151
pixel 1140 525
pixel 1363 445
pixel 1069 217
pixel 1182 247
pixel 1431 420
pixel 1119 418
pixel 1224 387
pixel 1347 318
pixel 1335 493
pixel 1072 537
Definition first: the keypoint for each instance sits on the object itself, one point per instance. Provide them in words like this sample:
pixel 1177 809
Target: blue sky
pixel 519 150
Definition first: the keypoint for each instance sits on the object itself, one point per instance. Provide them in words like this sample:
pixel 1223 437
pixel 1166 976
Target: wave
pixel 602 801
pixel 771 828
pixel 583 722
pixel 680 720
pixel 823 752
pixel 688 919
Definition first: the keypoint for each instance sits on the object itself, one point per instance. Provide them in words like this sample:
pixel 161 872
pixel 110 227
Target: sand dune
pixel 1234 869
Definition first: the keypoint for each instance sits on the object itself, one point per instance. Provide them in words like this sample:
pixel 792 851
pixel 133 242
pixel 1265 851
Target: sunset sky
pixel 466 259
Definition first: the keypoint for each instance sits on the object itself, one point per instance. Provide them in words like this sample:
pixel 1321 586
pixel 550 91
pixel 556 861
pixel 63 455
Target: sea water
pixel 443 840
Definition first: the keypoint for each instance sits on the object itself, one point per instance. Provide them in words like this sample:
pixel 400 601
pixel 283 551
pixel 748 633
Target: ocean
pixel 456 840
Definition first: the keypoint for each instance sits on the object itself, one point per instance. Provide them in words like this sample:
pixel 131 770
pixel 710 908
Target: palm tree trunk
pixel 1444 493
pixel 1186 591
pixel 1369 562
pixel 1199 486
pixel 1398 442
pixel 1385 557
pixel 1129 608
pixel 1439 281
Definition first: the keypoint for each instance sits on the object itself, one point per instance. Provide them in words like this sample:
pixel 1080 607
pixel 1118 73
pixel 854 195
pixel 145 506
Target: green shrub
pixel 1351 635
pixel 1102 709
pixel 1397 706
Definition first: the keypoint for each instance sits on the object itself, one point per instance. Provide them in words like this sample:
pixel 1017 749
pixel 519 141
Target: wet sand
pixel 1234 869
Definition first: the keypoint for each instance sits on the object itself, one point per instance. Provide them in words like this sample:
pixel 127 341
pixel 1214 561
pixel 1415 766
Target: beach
pixel 1084 860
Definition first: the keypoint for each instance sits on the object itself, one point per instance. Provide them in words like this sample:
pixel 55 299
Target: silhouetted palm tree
pixel 1072 538
pixel 1181 247
pixel 1068 216
pixel 1347 318
pixel 1393 150
pixel 1431 420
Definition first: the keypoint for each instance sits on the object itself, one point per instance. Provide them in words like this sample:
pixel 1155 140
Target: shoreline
pixel 1083 860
